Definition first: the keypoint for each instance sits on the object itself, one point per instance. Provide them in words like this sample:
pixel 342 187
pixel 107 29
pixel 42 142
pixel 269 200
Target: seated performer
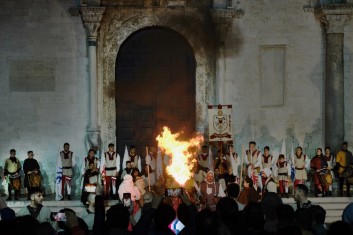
pixel 221 162
pixel 283 174
pixel 319 165
pixel 134 158
pixel 127 170
pixel 32 173
pixel 270 185
pixel 91 181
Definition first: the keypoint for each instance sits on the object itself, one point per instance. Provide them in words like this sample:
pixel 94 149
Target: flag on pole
pixel 210 159
pixel 284 148
pixel 126 157
pixel 292 163
pixel 159 165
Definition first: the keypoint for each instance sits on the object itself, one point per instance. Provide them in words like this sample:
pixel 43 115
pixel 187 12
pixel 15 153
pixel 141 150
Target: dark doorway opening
pixel 155 87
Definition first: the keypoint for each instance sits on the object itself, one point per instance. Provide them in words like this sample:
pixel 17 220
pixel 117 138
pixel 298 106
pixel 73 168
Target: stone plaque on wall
pixel 272 74
pixel 32 75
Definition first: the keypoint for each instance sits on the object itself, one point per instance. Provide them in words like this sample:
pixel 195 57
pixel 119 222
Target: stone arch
pixel 118 25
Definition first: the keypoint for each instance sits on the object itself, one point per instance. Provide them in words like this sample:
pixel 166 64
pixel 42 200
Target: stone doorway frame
pixel 120 23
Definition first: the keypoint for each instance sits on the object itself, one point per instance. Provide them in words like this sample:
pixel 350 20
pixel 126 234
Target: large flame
pixel 180 167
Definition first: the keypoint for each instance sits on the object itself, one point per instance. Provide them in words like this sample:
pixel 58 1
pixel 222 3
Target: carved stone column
pixel 91 17
pixel 333 19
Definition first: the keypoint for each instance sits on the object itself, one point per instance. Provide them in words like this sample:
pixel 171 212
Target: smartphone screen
pixel 176 226
pixel 172 192
pixel 59 216
pixel 127 199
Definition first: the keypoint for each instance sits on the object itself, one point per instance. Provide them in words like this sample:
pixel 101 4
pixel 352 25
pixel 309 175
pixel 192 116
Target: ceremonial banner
pixel 220 123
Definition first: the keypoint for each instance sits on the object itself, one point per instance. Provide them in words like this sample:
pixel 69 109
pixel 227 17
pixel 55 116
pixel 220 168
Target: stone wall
pixel 44 88
pixel 43 82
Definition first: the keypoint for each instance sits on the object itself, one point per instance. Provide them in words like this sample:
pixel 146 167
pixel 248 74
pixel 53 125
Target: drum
pixel 15 182
pixel 34 180
pixel 326 179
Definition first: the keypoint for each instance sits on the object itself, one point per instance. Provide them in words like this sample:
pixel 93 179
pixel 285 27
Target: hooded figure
pixel 211 191
pixel 127 186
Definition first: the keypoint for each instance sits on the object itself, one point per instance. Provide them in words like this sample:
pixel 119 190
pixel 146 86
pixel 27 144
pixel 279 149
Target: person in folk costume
pixel 211 191
pixel 30 166
pixel 12 170
pixel 90 173
pixel 283 173
pixel 218 178
pixel 151 170
pixel 253 164
pixel 318 164
pixel 127 170
pixel 134 158
pixel 127 186
pixel 248 194
pixel 110 167
pixel 266 161
pixel 344 159
pixel 198 174
pixel 221 162
pixel 331 163
pixel 65 163
pixel 203 159
pixel 269 184
pixel 232 176
pixel 301 162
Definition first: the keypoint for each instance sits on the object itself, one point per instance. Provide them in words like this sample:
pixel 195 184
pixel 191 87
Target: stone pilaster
pixel 223 21
pixel 333 19
pixel 91 17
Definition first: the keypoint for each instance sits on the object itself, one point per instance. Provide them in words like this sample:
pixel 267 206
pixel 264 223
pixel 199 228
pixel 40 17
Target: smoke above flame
pixel 180 153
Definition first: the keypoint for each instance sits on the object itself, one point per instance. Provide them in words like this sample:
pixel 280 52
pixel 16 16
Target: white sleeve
pixel 102 163
pixel 258 162
pixel 83 166
pixel 221 191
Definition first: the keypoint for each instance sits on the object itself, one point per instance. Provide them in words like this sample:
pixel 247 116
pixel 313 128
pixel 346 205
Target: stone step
pixel 334 206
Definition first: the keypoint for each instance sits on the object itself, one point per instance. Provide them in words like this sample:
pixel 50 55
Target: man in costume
pixel 253 164
pixel 319 165
pixel 301 162
pixel 134 158
pixel 211 191
pixel 31 170
pixel 344 160
pixel 283 174
pixel 12 170
pixel 65 163
pixel 91 175
pixel 203 159
pixel 127 170
pixel 266 161
pixel 110 169
pixel 331 163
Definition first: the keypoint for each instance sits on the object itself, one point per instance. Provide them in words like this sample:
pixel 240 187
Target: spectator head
pixel 285 215
pixel 36 195
pixel 347 215
pixel 118 217
pixel 339 227
pixel 304 218
pixel 269 203
pixel 318 213
pixel 206 222
pixel 248 183
pixel 228 212
pixel 301 193
pixel 253 216
pixel 233 190
pixel 163 216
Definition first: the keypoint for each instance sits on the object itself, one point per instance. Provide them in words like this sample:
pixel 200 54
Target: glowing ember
pixel 178 150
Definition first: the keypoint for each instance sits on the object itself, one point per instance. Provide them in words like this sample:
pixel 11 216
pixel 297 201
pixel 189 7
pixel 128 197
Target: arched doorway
pixel 155 86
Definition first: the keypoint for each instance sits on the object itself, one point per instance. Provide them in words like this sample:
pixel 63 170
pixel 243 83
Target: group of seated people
pixel 158 214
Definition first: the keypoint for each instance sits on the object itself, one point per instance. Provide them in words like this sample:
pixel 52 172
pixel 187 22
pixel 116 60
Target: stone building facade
pixel 285 66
